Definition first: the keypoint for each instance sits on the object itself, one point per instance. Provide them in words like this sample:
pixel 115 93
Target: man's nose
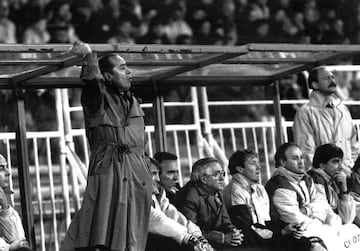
pixel 128 71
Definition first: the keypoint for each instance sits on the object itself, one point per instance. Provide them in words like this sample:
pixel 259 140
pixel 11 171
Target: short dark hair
pixel 280 152
pixel 154 162
pixel 161 156
pixel 238 158
pixel 105 63
pixel 199 166
pixel 356 166
pixel 326 152
pixel 314 76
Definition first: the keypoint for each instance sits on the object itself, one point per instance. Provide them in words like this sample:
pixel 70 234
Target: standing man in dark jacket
pixel 201 202
pixel 116 206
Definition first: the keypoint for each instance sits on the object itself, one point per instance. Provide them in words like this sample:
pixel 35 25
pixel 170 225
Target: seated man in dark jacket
pixel 330 179
pixel 201 202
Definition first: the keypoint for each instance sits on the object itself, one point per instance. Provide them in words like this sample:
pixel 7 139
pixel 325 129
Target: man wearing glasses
pixel 201 202
pixel 330 179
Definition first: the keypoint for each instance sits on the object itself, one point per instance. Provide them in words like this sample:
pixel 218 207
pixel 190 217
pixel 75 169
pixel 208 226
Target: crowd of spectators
pixel 220 22
pixel 203 22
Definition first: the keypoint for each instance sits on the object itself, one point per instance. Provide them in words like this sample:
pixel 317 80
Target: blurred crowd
pixel 220 22
pixel 203 22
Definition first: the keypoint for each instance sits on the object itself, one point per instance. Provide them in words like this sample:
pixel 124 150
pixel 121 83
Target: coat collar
pixel 323 174
pixel 290 176
pixel 320 100
pixel 210 199
pixel 244 182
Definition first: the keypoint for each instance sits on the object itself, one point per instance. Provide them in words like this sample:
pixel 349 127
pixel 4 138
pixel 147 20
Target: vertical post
pixel 23 167
pixel 279 137
pixel 159 116
pixel 205 114
pixel 196 113
pixel 63 167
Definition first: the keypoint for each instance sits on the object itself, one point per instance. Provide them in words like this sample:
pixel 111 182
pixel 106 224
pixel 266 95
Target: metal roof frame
pixel 39 66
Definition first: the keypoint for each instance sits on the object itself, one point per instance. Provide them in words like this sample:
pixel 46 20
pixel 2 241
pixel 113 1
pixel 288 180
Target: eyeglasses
pixel 217 174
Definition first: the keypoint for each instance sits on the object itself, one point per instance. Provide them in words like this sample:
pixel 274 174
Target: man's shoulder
pixel 317 177
pixel 276 182
pixel 187 191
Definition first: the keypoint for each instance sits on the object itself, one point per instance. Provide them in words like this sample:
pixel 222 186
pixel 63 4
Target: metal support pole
pixel 196 114
pixel 23 168
pixel 205 114
pixel 159 116
pixel 279 137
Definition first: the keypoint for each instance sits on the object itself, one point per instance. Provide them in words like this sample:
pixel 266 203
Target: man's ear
pixel 315 85
pixel 239 169
pixel 282 162
pixel 203 179
pixel 107 76
pixel 322 166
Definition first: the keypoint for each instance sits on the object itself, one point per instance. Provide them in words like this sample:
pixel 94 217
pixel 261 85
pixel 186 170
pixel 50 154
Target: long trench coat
pixel 117 201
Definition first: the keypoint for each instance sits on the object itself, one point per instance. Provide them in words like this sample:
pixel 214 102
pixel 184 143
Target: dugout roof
pixel 50 65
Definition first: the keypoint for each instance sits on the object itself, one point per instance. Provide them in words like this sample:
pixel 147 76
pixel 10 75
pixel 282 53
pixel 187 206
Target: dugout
pixel 157 66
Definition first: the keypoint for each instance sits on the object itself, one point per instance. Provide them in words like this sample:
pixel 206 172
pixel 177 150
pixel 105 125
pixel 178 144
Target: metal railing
pixel 58 174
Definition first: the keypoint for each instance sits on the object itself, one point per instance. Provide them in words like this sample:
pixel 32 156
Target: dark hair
pixel 154 162
pixel 161 156
pixel 280 152
pixel 238 159
pixel 314 76
pixel 105 63
pixel 356 164
pixel 326 152
pixel 199 166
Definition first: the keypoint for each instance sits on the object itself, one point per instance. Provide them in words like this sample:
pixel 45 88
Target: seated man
pixel 201 202
pixel 169 173
pixel 295 199
pixel 354 188
pixel 248 203
pixel 12 236
pixel 330 179
pixel 168 228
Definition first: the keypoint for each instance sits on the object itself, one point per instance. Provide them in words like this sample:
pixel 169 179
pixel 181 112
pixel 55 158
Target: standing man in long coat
pixel 117 201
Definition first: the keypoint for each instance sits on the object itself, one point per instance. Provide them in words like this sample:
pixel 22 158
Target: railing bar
pixel 233 139
pixel 256 102
pixel 150 143
pixel 177 152
pixel 358 135
pixel 256 147
pixel 243 131
pixel 221 136
pixel 38 194
pixel 12 199
pixel 188 148
pixel 52 193
pixel 266 154
pixel 273 140
pixel 286 136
